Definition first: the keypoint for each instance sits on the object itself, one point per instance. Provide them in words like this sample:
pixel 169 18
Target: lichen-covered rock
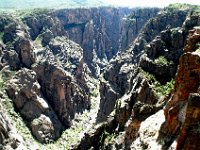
pixel 25 92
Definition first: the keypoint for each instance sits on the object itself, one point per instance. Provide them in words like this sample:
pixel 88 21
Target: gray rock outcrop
pixel 26 94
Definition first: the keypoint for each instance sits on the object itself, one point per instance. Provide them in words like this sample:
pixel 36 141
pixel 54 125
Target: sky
pixel 149 3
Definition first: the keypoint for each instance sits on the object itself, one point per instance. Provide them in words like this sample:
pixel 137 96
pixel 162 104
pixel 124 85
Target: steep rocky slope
pixel 101 32
pixel 49 89
pixel 133 85
pixel 182 110
pixel 144 52
pixel 49 86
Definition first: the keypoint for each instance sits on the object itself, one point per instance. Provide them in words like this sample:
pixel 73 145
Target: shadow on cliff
pixel 166 139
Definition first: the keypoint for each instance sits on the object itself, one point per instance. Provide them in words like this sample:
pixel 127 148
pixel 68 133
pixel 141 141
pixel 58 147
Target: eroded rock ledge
pixel 52 79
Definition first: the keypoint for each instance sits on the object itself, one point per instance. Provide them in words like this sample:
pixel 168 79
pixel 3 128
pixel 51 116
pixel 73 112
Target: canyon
pixel 100 78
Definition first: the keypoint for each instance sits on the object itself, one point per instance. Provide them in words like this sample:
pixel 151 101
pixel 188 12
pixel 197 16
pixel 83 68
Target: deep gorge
pixel 100 78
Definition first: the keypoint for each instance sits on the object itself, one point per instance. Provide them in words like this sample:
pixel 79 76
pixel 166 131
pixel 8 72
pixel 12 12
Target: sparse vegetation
pixel 148 76
pixel 198 47
pixel 14 117
pixel 32 4
pixel 183 6
pixel 110 138
pixel 164 89
pixel 69 137
pixel 1 82
pixel 161 60
pixel 38 42
pixel 160 90
pixel 4 78
pixel 83 122
pixel 17 121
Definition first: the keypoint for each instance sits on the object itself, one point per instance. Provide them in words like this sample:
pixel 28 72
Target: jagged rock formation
pixel 101 32
pixel 54 76
pixel 25 92
pixel 101 29
pixel 140 97
pixel 177 126
pixel 53 88
pixel 182 108
pixel 9 138
pixel 63 93
pixel 16 38
pixel 146 57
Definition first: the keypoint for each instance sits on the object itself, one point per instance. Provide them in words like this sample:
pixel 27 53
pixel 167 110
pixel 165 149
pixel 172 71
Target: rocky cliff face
pixel 48 79
pixel 146 58
pixel 101 32
pixel 27 98
pixel 49 85
pixel 106 30
pixel 182 109
pixel 132 98
pixel 9 138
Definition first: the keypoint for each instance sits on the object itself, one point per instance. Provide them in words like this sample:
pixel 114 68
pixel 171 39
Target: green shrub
pixel 161 60
pixel 177 6
pixel 164 89
pixel 160 90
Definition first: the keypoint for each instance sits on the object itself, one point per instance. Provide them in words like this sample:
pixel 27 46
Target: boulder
pixel 43 129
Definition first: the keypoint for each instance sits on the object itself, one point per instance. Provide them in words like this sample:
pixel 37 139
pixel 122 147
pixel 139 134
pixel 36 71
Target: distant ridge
pixel 31 4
